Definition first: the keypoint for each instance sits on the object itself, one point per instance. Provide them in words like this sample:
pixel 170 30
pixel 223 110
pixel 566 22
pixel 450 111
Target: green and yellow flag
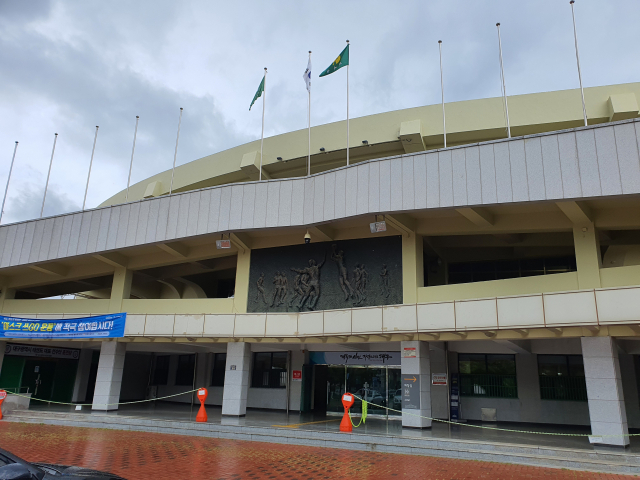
pixel 258 93
pixel 341 61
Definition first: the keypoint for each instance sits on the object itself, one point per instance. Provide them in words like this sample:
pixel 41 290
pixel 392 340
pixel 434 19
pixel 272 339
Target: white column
pixel 416 367
pixel 109 378
pixel 3 345
pixel 82 376
pixel 604 390
pixel 236 379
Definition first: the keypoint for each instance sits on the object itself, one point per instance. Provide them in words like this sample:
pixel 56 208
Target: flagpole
pixel 84 202
pixel 444 121
pixel 348 105
pixel 309 125
pixel 504 87
pixel 46 186
pixel 135 134
pixel 575 38
pixel 8 180
pixel 175 154
pixel 264 100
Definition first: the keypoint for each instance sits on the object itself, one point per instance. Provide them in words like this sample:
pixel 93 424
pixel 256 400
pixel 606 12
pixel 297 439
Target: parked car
pixel 15 468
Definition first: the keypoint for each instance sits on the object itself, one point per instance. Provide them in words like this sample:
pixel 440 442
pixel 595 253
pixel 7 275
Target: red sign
pixel 297 375
pixel 3 395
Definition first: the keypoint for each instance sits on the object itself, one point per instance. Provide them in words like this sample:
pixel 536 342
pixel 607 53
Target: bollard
pixel 202 414
pixel 3 395
pixel 347 403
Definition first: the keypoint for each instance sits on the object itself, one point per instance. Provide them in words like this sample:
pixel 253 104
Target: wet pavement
pixel 141 455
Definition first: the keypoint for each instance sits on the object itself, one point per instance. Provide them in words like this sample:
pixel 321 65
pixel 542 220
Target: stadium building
pixel 500 280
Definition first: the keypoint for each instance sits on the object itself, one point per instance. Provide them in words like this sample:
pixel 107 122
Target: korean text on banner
pixel 104 326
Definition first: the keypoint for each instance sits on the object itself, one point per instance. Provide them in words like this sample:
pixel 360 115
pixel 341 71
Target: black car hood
pixel 74 473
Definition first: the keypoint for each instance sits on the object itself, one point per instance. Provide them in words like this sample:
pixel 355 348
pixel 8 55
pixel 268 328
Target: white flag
pixel 307 76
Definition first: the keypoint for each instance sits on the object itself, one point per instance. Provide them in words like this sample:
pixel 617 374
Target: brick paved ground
pixel 139 455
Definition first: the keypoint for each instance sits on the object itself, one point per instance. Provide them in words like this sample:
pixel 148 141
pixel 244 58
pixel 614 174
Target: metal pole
pixel 15 149
pixel 135 134
pixel 84 202
pixel 504 87
pixel 309 125
pixel 175 154
pixel 444 121
pixel 575 38
pixel 264 101
pixel 348 106
pixel 195 370
pixel 46 186
pixel 288 373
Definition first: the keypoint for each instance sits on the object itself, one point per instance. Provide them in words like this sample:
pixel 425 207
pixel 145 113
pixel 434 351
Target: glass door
pixel 335 388
pixel 369 383
pixel 394 393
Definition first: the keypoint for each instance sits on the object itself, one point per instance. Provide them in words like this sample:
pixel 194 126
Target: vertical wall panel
pixel 459 168
pixel 54 245
pixel 74 238
pixel 588 163
pixel 260 210
pixel 445 171
pixel 308 199
pixel 3 240
pixel 203 212
pixel 273 201
pixel 183 215
pixel 132 226
pixel 248 205
pixel 608 161
pixel 235 213
pixel 28 241
pixel 194 207
pixel 143 220
pixel 518 163
pixel 213 225
pixel 340 205
pixel 174 215
pixel 284 206
pixel 123 223
pixel 419 181
pixel 163 219
pixel 408 187
pixel 362 202
pixel 503 172
pixel 351 193
pixel 318 198
pixel 112 233
pixel 385 185
pixel 103 229
pixel 225 209
pixel 433 180
pixel 5 260
pixel 37 241
pixel 297 202
pixel 551 165
pixel 152 221
pixel 627 148
pixel 46 239
pixel 535 168
pixel 329 196
pixel 569 165
pixel 14 259
pixel 396 184
pixel 488 174
pixel 474 184
pixel 85 230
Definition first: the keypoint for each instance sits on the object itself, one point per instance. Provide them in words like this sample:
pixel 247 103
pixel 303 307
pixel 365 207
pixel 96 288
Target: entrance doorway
pixel 379 385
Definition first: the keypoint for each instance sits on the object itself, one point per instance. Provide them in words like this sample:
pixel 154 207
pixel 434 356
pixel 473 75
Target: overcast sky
pixel 67 66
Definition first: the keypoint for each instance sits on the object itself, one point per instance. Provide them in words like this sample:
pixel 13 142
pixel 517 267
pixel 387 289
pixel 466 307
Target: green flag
pixel 258 93
pixel 341 61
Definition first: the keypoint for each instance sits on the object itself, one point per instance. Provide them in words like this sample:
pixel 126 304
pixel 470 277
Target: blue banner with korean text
pixel 104 326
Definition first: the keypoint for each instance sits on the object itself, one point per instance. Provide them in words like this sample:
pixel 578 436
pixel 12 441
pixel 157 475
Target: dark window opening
pixel 184 373
pixel 269 370
pixel 219 367
pixel 161 370
pixel 562 377
pixel 490 375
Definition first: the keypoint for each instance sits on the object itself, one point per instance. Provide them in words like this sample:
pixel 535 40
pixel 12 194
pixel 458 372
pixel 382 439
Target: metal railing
pixel 563 388
pixel 15 389
pixel 488 385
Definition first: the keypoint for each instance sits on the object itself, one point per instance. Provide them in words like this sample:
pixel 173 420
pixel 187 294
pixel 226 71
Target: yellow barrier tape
pixel 105 404
pixel 502 429
pixel 363 418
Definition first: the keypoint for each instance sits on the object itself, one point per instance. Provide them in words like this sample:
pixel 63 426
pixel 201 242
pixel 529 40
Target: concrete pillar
pixel 588 256
pixel 412 267
pixel 416 365
pixel 439 398
pixel 298 358
pixel 109 378
pixel 604 390
pixel 241 293
pixel 3 345
pixel 6 294
pixel 236 379
pixel 120 289
pixel 82 376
